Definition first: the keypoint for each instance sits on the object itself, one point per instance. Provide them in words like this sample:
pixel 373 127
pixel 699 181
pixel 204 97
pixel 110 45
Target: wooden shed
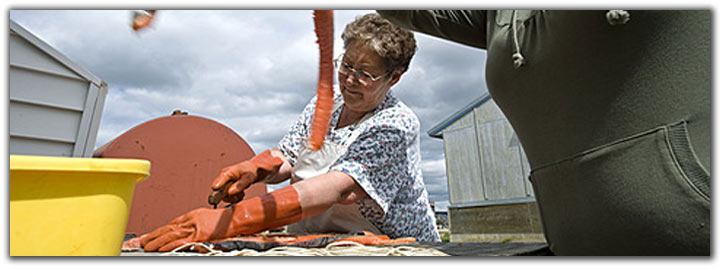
pixel 54 104
pixel 491 198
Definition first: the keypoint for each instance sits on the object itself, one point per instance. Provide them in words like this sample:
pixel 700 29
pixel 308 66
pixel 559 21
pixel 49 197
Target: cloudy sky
pixel 251 70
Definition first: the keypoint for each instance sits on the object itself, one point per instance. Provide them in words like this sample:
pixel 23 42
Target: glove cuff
pixel 275 209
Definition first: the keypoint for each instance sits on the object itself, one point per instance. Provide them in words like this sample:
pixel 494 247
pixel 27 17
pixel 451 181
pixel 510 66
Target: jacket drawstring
pixel 615 17
pixel 518 59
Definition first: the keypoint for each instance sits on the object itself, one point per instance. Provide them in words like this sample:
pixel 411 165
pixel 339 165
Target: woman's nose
pixel 351 78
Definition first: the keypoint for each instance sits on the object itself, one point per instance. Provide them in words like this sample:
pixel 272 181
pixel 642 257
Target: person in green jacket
pixel 613 111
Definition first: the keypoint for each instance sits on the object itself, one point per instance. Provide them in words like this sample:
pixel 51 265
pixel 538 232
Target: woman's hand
pixel 230 185
pixel 198 225
pixel 278 208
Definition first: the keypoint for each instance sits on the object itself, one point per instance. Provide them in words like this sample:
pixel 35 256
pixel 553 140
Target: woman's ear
pixel 395 77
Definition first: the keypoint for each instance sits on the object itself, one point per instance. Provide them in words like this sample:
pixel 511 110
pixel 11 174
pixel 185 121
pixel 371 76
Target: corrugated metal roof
pixel 436 131
pixel 45 47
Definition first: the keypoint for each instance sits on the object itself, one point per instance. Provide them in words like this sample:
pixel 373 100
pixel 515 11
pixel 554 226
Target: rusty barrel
pixel 187 153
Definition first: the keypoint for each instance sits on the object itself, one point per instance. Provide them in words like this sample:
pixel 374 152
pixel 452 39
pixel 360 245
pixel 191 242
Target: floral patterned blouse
pixel 384 160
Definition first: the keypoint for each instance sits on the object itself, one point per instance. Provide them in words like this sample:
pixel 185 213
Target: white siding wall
pixel 485 162
pixel 53 110
pixel 464 174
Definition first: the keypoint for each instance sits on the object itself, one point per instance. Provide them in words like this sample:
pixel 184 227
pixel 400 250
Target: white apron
pixel 338 218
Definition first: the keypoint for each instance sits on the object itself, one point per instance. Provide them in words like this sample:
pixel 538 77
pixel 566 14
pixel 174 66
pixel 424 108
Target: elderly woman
pixel 366 177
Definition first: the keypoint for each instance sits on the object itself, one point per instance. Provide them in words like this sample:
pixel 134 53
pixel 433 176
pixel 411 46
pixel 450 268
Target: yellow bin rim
pixel 74 164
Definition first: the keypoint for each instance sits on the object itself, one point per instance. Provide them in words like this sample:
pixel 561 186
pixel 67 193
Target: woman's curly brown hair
pixel 392 43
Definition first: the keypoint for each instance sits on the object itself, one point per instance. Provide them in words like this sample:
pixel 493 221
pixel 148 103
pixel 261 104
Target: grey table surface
pixel 453 249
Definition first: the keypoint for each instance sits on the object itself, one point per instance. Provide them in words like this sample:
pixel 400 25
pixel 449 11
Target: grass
pixel 444 235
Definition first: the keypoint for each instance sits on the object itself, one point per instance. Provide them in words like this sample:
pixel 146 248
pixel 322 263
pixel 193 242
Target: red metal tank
pixel 186 154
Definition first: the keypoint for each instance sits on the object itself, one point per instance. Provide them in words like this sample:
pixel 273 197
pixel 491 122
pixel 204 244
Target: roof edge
pixel 436 131
pixel 60 57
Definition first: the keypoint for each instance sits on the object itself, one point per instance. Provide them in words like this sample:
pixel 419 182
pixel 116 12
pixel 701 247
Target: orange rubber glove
pixel 275 209
pixel 244 174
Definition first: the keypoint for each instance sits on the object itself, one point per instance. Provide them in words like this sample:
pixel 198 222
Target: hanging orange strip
pixel 324 30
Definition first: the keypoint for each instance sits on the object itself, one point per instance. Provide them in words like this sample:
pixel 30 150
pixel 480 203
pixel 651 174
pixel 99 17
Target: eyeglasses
pixel 364 77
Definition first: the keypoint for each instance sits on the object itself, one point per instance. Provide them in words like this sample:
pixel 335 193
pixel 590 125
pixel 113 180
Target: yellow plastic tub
pixel 71 206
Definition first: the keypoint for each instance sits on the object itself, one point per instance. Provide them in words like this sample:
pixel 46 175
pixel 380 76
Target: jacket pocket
pixel 691 169
pixel 645 194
